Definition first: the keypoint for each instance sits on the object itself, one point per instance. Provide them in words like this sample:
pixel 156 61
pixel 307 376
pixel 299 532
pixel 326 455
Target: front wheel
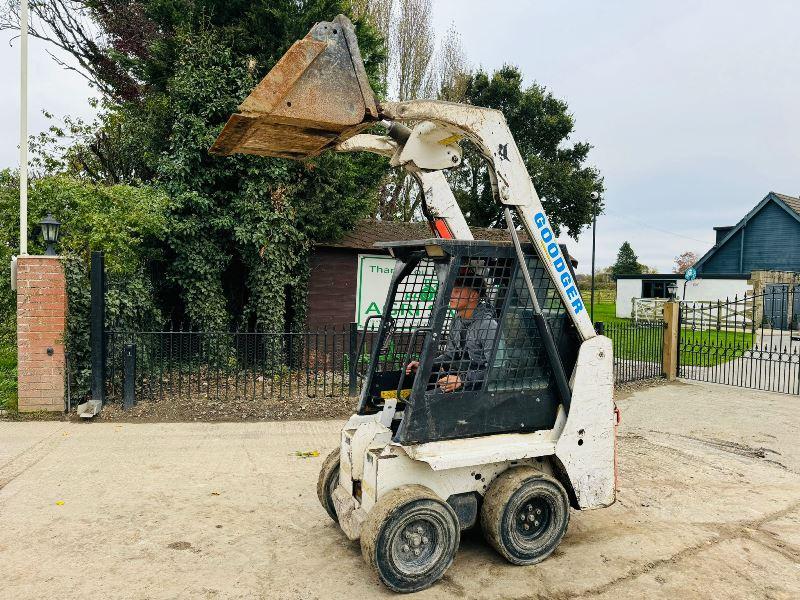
pixel 410 538
pixel 525 514
pixel 327 482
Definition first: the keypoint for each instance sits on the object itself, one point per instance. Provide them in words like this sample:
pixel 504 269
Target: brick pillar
pixel 41 319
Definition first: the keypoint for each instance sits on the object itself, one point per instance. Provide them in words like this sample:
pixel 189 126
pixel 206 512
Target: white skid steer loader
pixel 488 395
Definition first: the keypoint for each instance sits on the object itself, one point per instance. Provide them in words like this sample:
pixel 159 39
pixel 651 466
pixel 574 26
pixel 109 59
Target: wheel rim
pixel 415 543
pixel 333 483
pixel 532 518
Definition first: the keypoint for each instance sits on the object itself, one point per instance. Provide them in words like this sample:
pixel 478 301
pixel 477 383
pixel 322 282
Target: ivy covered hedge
pixel 128 223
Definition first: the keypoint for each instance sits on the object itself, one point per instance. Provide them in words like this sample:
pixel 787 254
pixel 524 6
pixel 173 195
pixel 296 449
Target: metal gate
pixel 776 299
pixel 751 341
pixel 638 349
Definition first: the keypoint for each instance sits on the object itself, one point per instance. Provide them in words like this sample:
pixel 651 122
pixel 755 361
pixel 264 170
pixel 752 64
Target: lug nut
pixel 522 517
pixel 536 523
pixel 416 552
pixel 530 508
pixel 405 548
pixel 526 526
pixel 419 529
pixel 424 540
pixel 538 511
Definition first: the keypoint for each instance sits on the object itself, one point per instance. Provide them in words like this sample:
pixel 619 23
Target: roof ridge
pixel 368 230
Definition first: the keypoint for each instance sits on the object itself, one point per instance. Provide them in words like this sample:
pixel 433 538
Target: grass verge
pixel 8 377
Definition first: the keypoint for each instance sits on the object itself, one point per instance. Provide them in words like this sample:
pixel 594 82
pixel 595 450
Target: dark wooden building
pixel 332 288
pixel 766 239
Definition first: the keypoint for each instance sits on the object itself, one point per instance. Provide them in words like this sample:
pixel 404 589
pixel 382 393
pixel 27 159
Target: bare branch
pixel 451 68
pixel 412 44
pixel 78 27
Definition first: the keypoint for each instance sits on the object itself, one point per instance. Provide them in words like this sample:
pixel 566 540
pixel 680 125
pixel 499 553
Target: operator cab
pixel 459 312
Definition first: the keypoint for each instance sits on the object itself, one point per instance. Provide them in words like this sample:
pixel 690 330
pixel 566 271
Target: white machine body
pixel 579 450
pixel 318 97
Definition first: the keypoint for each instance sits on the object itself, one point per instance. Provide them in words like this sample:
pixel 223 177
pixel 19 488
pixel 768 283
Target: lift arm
pixel 317 97
pixel 439 205
pixel 511 185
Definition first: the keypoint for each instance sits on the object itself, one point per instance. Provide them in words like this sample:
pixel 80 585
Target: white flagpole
pixel 23 130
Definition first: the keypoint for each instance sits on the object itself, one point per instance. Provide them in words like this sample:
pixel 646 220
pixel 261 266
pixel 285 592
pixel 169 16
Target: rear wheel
pixel 327 482
pixel 525 515
pixel 410 538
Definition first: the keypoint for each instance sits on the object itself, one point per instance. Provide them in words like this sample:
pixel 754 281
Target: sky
pixel 691 106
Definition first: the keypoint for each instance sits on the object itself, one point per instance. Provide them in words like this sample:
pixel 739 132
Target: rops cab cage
pixel 461 368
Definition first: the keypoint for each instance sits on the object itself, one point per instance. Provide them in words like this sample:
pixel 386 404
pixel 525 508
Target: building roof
pixel 368 231
pixel 789 203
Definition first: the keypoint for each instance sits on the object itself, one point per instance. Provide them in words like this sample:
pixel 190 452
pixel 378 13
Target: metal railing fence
pixel 237 365
pixel 752 341
pixel 638 349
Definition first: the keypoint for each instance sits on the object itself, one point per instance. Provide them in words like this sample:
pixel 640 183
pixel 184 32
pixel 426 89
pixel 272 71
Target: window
pixel 656 288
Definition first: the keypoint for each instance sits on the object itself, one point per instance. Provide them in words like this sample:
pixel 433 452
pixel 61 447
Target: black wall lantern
pixel 50 232
pixel 672 289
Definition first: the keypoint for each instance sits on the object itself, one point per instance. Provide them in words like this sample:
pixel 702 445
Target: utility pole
pixel 23 129
pixel 595 197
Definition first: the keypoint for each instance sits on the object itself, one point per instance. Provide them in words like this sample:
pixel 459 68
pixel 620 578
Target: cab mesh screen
pixel 521 361
pixel 490 339
pixel 412 307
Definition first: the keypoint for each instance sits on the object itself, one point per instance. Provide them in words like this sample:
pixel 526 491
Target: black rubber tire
pixel 327 482
pixel 406 520
pixel 525 492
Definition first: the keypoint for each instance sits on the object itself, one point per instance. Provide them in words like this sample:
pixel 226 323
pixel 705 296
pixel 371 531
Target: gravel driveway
pixel 709 507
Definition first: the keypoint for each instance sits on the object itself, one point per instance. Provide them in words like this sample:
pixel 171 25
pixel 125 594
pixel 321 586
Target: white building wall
pixel 714 289
pixel 627 290
pixel 699 289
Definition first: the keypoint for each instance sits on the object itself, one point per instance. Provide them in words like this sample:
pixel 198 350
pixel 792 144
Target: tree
pixel 451 68
pixel 378 13
pixel 645 270
pixel 238 228
pixel 683 261
pixel 627 262
pixel 127 222
pixel 412 70
pixel 412 44
pixel 541 126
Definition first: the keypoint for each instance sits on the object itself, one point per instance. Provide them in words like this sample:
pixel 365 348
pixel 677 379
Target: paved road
pixel 709 507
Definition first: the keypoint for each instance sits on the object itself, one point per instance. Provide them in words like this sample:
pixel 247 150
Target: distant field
pixel 600 295
pixel 605 311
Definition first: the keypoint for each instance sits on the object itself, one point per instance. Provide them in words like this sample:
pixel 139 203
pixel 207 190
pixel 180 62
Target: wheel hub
pixel 533 517
pixel 415 546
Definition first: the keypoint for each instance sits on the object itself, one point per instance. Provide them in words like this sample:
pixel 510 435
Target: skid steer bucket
pixel 316 95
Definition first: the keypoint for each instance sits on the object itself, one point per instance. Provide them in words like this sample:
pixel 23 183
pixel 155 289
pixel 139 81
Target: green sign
pixel 374 276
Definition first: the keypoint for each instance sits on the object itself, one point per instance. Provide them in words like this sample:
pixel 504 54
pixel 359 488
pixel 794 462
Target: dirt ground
pixel 708 507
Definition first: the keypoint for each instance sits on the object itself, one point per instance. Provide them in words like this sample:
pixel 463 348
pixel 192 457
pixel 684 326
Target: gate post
pixel 669 364
pixel 128 376
pixel 97 336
